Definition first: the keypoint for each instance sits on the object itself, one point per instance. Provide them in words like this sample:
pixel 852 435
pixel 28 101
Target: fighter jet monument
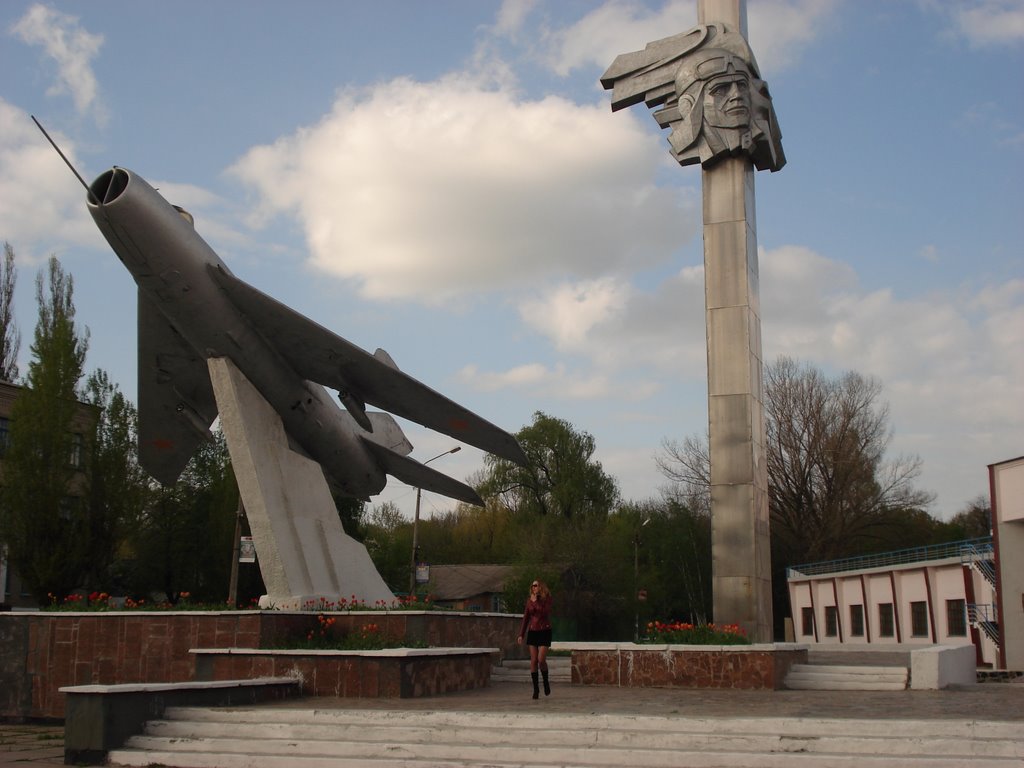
pixel 210 343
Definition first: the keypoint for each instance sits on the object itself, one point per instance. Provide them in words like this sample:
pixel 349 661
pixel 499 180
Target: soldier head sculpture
pixel 714 101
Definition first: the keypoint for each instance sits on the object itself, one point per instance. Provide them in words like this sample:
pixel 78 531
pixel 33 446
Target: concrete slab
pixel 31 745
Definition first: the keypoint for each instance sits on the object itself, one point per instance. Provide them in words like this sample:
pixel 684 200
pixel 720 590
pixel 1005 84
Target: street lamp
pixel 416 523
pixel 636 580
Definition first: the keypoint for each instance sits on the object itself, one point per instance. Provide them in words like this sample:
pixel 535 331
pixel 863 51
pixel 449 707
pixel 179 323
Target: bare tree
pixel 10 337
pixel 831 488
pixel 688 466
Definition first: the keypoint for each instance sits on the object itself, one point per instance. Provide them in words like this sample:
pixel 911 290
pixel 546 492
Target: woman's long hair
pixel 542 590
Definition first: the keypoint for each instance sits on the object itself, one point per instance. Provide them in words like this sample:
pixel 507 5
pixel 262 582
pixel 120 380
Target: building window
pixel 919 618
pixel 75 452
pixel 831 621
pixel 807 621
pixel 857 620
pixel 5 435
pixel 956 618
pixel 885 620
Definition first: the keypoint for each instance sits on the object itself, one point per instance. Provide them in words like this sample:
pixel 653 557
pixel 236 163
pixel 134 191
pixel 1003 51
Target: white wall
pixel 1007 483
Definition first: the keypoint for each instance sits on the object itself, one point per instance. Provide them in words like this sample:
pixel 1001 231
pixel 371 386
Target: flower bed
pixel 684 633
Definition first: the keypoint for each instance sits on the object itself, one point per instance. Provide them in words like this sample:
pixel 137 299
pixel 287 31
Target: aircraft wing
pixel 176 402
pixel 419 475
pixel 322 356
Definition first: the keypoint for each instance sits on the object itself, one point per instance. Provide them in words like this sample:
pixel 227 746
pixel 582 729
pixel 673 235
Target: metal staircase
pixel 980 555
pixel 984 617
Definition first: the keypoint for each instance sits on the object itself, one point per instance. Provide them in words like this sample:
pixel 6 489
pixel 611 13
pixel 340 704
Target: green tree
pixel 184 540
pixel 117 486
pixel 10 337
pixel 663 549
pixel 557 507
pixel 562 478
pixel 972 522
pixel 44 522
pixel 351 513
pixel 389 543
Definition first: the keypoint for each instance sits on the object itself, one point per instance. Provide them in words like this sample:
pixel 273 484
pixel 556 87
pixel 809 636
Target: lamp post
pixel 636 580
pixel 416 524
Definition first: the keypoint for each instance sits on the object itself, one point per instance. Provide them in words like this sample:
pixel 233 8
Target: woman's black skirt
pixel 538 637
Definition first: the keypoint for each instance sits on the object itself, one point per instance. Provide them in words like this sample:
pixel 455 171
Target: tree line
pixel 77 512
pixel 99 523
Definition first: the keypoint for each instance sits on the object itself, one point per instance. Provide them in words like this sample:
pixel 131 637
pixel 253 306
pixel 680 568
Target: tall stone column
pixel 708 86
pixel 740 547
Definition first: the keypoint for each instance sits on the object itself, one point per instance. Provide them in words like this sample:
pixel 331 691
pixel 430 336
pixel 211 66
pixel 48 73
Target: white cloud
pixel 71 48
pixel 989 22
pixel 512 15
pixel 779 30
pixel 559 382
pixel 519 376
pixel 437 190
pixel 567 313
pixel 40 199
pixel 949 361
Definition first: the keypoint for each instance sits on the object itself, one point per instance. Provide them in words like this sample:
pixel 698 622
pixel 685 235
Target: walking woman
pixel 536 628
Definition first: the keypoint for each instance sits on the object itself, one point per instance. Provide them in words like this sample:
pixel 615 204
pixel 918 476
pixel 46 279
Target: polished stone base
pixel 747 667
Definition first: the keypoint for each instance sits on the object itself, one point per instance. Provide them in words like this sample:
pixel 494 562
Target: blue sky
pixel 446 180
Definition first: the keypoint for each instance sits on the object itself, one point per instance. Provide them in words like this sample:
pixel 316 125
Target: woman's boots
pixel 536 682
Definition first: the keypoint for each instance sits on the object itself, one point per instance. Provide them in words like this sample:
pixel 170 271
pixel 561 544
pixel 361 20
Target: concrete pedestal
pixel 306 558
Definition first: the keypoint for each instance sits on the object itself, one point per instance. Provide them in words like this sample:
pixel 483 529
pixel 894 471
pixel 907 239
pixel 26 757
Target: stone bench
pixel 99 718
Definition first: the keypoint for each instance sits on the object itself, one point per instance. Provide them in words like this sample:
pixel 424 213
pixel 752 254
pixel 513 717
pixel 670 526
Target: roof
pixel 967 550
pixel 457 582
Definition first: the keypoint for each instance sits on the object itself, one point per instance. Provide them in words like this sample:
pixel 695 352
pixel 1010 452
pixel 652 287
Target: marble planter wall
pixel 684 666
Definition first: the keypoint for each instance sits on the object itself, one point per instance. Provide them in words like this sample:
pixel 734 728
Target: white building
pixel 961 593
pixel 1006 484
pixel 942 594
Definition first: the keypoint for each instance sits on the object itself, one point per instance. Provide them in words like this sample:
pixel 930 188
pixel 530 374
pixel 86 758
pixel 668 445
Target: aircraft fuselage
pixel 175 270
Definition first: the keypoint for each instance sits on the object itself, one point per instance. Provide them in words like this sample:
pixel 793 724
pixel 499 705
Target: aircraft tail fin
pixel 420 475
pixel 387 434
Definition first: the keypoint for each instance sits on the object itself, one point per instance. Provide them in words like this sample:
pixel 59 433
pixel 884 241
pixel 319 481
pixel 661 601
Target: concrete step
pixel 554 663
pixel 829 677
pixel 271 737
pixel 518 670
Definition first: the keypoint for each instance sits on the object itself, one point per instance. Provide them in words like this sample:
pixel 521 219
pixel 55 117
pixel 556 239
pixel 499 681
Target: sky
pixel 446 180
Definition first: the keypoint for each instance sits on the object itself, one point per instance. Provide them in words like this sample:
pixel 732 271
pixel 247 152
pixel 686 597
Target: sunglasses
pixel 534 585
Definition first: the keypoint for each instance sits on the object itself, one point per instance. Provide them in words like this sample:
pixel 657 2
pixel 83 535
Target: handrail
pixel 985 617
pixel 898 557
pixel 981 557
pixel 979 612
